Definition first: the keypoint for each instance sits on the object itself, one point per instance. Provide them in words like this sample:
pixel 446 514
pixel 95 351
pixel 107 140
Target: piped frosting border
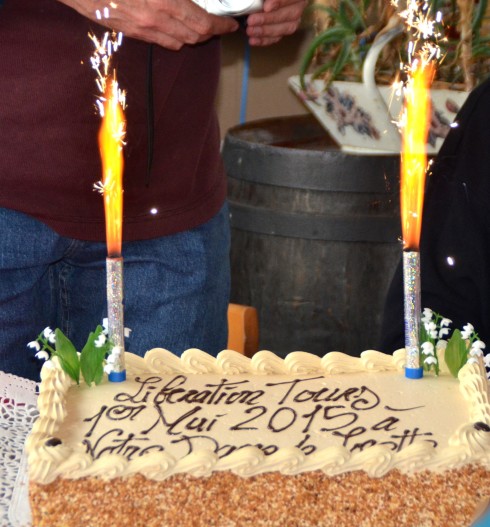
pixel 469 444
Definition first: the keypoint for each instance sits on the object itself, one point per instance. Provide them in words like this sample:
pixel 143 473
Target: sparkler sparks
pixel 422 29
pixel 413 168
pixel 101 63
pixel 111 104
pixel 111 137
pixel 99 187
pixel 414 157
pixel 423 52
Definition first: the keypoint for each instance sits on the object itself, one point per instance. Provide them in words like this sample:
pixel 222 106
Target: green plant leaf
pixel 481 49
pixel 478 15
pixel 92 359
pixel 456 354
pixel 67 355
pixel 356 20
pixel 322 69
pixel 423 335
pixel 343 57
pixel 344 18
pixel 334 35
pixel 363 19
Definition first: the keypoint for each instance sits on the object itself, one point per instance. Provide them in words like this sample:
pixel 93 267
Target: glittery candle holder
pixel 115 317
pixel 411 288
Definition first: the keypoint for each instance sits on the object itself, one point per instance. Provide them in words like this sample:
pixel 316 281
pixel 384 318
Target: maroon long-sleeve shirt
pixel 49 157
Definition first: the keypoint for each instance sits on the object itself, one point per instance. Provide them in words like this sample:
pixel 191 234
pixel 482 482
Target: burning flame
pixel 414 157
pixel 111 140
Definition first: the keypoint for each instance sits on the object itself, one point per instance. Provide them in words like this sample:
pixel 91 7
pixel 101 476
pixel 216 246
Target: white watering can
pixel 361 116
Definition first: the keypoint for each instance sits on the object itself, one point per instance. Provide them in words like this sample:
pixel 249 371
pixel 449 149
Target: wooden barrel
pixel 315 235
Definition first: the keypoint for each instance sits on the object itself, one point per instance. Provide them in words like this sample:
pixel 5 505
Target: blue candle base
pixel 117 376
pixel 414 373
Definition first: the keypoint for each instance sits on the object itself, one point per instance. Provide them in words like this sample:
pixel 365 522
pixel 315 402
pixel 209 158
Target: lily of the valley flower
pixel 431 329
pixel 116 351
pixel 42 355
pixel 427 348
pixel 430 360
pixel 457 349
pixel 477 348
pixel 430 326
pixel 48 334
pixel 100 340
pixel 111 359
pixel 478 344
pixel 114 355
pixel 443 332
pixel 89 362
pixel 467 332
pixel 34 345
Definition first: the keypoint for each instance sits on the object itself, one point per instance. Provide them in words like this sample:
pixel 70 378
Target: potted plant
pixel 346 30
pixel 347 71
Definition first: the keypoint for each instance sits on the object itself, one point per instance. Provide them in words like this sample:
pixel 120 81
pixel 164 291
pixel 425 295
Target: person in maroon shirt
pixel 175 232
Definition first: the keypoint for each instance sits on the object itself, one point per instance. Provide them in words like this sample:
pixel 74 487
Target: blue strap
pixel 245 77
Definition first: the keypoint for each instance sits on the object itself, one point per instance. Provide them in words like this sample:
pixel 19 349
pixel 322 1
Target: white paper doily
pixel 18 411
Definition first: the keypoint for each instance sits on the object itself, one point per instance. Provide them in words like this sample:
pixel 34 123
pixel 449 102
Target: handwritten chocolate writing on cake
pixel 178 415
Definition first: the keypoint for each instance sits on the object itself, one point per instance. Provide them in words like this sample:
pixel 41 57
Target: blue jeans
pixel 176 289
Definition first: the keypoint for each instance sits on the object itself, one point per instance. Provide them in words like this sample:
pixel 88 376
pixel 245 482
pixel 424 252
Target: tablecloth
pixel 18 411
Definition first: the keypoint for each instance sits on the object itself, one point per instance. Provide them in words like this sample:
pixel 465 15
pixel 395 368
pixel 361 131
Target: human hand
pixel 169 23
pixel 278 19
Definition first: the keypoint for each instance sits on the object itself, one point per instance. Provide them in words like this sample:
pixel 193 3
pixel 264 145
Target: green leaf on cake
pixel 456 353
pixel 67 355
pixel 92 358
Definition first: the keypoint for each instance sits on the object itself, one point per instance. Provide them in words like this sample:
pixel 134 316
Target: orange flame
pixel 111 136
pixel 414 156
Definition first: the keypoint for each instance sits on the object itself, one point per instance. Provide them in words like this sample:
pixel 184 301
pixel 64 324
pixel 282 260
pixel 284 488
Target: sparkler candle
pixel 111 138
pixel 413 168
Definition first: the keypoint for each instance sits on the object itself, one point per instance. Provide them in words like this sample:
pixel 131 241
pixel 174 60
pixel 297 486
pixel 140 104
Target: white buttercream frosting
pixel 198 414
